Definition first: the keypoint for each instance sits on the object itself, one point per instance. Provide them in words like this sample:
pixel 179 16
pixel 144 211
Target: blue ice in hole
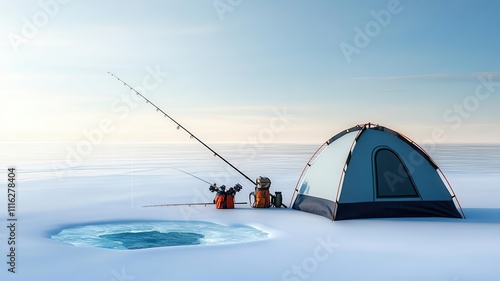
pixel 152 234
pixel 152 239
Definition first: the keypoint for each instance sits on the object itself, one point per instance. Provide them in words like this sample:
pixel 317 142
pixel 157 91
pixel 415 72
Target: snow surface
pixel 112 183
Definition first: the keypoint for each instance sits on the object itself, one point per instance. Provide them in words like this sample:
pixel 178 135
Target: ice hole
pixel 143 235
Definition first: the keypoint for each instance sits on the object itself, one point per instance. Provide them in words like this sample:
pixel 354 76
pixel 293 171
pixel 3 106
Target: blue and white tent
pixel 370 171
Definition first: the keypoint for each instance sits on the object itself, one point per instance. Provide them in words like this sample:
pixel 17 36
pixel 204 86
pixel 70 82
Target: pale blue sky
pixel 230 71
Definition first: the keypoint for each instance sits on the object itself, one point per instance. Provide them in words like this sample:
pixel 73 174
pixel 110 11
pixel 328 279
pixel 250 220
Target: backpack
pixel 224 201
pixel 262 195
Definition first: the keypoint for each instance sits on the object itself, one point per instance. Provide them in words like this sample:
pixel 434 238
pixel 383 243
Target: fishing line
pixel 187 173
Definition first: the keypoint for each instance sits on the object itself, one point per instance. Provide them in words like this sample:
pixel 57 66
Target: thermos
pixel 278 199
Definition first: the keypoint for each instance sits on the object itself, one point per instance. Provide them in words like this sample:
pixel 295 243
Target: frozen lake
pixel 59 189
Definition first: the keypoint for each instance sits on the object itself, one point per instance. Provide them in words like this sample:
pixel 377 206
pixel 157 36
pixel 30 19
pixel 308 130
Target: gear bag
pixel 262 195
pixel 224 201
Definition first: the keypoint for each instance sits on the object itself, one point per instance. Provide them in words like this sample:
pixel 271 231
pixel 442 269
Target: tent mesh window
pixel 392 177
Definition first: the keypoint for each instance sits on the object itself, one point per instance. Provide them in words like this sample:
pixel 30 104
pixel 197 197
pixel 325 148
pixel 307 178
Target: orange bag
pixel 262 195
pixel 220 203
pixel 262 198
pixel 229 202
pixel 224 201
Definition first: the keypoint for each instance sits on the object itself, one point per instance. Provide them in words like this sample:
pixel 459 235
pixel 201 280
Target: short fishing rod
pixel 187 204
pixel 179 126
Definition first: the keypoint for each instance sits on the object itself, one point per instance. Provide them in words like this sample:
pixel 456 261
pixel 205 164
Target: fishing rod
pixel 186 204
pixel 191 135
pixel 179 126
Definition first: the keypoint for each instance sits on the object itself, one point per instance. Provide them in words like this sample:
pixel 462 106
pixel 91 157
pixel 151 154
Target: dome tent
pixel 370 171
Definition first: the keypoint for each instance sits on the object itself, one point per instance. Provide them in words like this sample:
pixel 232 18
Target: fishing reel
pixel 222 189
